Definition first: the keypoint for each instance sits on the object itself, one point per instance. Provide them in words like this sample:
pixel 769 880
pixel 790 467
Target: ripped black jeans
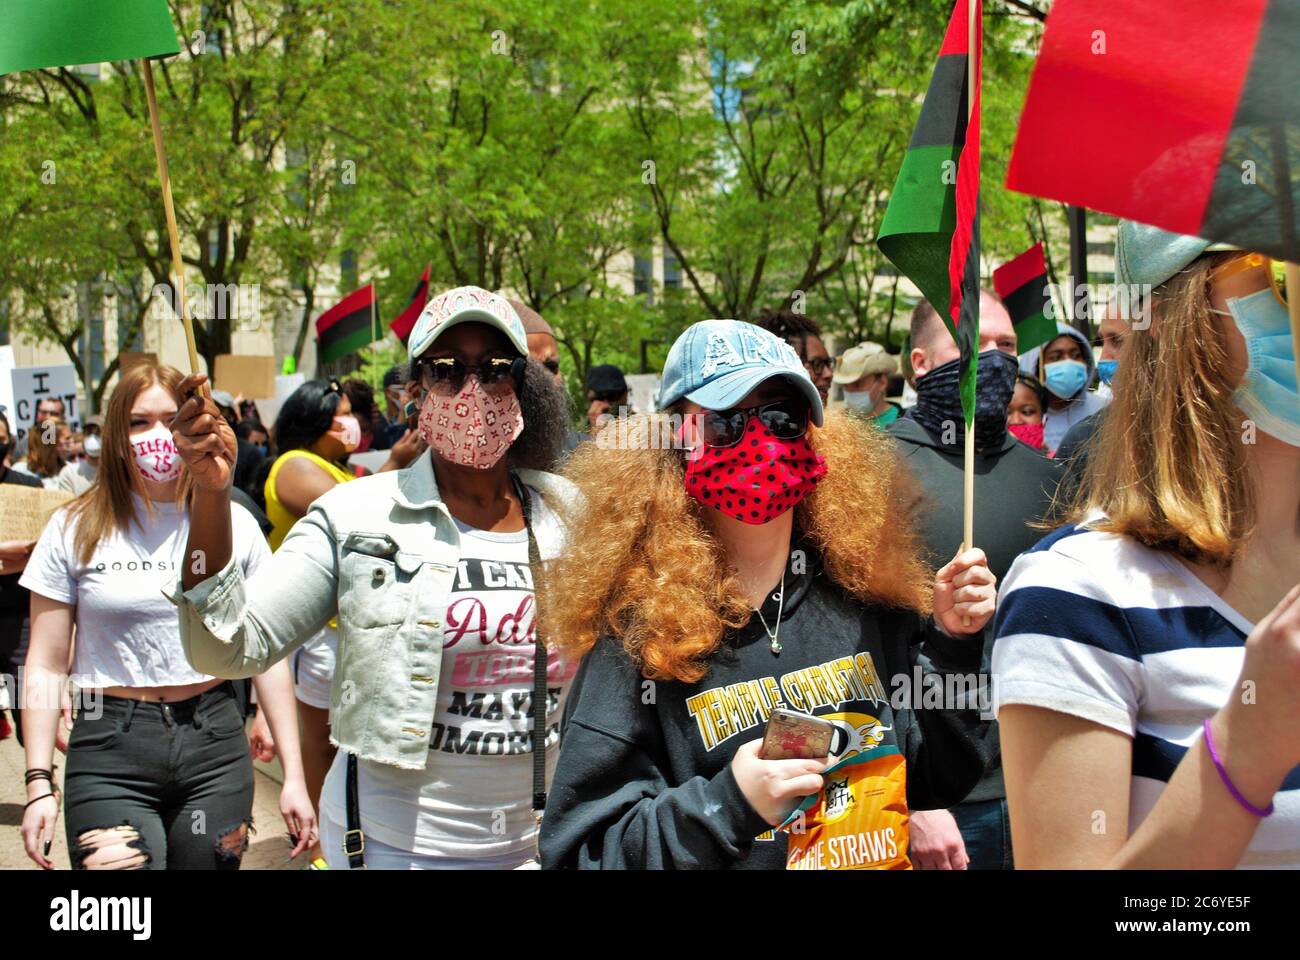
pixel 159 786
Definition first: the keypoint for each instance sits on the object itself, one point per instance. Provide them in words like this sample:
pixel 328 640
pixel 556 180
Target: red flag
pixel 930 230
pixel 348 326
pixel 1022 285
pixel 1179 114
pixel 405 321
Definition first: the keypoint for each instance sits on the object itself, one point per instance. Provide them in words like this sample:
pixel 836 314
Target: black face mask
pixel 938 400
pixel 4 449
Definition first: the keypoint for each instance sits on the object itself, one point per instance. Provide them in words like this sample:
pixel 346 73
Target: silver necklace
pixel 780 606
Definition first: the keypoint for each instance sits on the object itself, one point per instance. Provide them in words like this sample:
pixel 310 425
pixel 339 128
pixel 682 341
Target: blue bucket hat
pixel 1149 255
pixel 716 363
pixel 466 305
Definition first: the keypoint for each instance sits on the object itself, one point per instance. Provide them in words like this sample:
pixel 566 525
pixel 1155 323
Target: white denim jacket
pixel 380 553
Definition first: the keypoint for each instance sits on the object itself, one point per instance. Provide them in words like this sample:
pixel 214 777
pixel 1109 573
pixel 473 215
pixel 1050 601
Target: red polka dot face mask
pixel 757 479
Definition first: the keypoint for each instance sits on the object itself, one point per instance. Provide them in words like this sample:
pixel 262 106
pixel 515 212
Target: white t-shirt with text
pixel 473 801
pixel 128 633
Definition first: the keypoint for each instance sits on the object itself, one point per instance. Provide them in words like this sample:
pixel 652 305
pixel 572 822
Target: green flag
pixel 930 230
pixel 60 33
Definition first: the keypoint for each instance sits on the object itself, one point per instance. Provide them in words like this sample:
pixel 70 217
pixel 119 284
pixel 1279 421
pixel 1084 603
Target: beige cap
pixel 856 362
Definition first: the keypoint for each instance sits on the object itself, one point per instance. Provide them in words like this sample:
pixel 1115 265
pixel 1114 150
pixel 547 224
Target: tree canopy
pixel 566 150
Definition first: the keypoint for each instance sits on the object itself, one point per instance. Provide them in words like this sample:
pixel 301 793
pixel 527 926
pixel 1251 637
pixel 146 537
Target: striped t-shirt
pixel 1098 626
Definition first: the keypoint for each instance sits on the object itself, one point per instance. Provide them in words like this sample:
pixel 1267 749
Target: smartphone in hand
pixel 791 735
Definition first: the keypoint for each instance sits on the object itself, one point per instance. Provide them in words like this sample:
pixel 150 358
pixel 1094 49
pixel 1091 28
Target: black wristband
pixel 52 793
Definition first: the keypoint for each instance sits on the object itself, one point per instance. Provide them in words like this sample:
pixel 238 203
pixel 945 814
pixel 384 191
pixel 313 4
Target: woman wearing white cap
pixel 429 570
pixel 864 371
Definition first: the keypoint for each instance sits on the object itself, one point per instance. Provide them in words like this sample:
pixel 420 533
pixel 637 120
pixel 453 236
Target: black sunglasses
pixel 449 374
pixel 787 419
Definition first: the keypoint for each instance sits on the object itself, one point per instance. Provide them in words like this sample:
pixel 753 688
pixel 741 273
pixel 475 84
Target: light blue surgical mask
pixel 1065 378
pixel 1106 370
pixel 860 401
pixel 1268 395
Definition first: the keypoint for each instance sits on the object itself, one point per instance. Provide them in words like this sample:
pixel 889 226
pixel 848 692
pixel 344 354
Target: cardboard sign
pixel 24 511
pixel 250 377
pixel 31 385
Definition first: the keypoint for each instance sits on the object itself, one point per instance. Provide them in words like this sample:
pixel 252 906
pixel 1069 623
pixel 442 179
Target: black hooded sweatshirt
pixel 1014 485
pixel 644 777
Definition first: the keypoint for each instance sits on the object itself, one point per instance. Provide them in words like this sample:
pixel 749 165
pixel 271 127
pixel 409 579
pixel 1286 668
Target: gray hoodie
pixel 1029 359
pixel 1085 403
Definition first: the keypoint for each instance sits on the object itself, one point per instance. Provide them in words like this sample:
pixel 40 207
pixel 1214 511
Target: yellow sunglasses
pixel 1275 270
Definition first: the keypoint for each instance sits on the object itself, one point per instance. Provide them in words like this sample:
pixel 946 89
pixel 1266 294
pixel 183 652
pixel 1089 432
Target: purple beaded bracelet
pixel 1227 780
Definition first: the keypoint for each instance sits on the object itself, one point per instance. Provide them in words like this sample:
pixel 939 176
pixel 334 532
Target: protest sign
pixel 252 378
pixel 24 511
pixel 31 385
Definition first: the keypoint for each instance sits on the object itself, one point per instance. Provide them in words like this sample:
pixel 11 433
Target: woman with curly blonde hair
pixel 759 560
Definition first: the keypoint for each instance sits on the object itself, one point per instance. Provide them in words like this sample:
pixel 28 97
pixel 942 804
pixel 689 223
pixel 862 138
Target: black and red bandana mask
pixel 758 479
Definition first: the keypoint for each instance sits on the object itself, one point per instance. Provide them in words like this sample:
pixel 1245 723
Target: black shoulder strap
pixel 540 658
pixel 354 840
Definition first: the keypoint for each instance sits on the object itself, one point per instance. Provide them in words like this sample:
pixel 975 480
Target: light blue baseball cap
pixel 716 363
pixel 466 305
pixel 1149 255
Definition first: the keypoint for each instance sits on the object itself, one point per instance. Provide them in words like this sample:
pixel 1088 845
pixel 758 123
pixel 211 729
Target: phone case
pixel 796 736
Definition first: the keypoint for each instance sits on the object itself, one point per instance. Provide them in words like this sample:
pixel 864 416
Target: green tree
pixel 230 103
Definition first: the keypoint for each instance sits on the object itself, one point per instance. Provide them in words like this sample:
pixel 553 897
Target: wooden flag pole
pixel 1293 304
pixel 374 326
pixel 178 267
pixel 968 474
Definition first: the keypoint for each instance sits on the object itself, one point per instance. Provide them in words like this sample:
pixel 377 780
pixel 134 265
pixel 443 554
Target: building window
pixel 672 271
pixel 212 35
pixel 643 277
pixel 349 278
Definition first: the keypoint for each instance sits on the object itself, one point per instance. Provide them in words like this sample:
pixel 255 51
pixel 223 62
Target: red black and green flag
pixel 931 227
pixel 57 33
pixel 348 326
pixel 1022 285
pixel 1198 107
pixel 405 321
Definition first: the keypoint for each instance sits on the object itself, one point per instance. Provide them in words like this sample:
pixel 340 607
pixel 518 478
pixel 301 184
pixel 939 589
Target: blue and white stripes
pixel 1100 627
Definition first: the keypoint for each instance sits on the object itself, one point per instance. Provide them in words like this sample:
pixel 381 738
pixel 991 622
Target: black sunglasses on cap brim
pixel 786 418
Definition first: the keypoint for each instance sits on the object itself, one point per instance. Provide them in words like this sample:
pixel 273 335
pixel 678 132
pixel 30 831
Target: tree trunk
pixel 309 303
pixel 1054 283
pixel 893 303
